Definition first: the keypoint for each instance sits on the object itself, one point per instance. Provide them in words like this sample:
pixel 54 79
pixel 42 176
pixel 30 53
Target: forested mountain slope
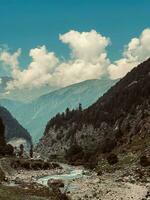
pixel 120 119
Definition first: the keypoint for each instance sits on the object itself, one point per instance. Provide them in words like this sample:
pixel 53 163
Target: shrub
pixel 8 149
pixel 108 145
pixel 144 161
pixel 112 159
pixel 74 153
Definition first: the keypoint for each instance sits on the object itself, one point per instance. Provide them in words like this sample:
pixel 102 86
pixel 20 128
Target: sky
pixel 58 43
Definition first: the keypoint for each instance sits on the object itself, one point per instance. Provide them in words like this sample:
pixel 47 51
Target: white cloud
pixel 11 60
pixel 88 61
pixel 89 57
pixel 38 71
pixel 87 46
pixel 135 52
pixel 77 71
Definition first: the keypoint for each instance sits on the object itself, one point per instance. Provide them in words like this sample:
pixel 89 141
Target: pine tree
pixel 21 151
pixel 2 137
pixel 31 151
pixel 80 107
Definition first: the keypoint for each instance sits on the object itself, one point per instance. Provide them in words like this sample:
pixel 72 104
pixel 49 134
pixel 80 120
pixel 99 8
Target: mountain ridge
pixel 118 119
pixel 33 116
pixel 12 128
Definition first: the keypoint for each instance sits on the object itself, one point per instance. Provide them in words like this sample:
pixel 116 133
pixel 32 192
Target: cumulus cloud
pixel 11 60
pixel 38 71
pixel 88 57
pixel 134 53
pixel 88 61
pixel 88 46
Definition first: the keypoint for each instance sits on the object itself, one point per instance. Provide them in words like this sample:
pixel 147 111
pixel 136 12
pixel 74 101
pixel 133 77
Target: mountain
pixel 13 128
pixel 33 116
pixel 118 121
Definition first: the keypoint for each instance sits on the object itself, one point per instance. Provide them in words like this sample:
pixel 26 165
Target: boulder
pixel 55 183
pixel 18 180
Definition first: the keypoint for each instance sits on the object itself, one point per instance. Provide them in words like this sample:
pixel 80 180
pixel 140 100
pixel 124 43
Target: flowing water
pixel 70 174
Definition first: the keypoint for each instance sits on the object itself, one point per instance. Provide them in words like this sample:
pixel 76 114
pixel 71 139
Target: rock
pixel 18 180
pixel 57 183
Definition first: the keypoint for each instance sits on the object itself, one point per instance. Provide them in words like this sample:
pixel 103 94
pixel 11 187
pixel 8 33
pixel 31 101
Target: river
pixel 70 174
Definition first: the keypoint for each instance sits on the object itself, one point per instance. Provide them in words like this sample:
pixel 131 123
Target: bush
pixel 144 161
pixel 74 153
pixel 8 149
pixel 108 145
pixel 112 159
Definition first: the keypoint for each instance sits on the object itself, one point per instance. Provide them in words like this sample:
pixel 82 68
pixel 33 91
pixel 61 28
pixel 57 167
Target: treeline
pixel 121 99
pixel 66 118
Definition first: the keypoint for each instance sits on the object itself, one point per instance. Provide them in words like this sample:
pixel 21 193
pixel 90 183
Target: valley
pixel 34 115
pixel 97 153
pixel 74 100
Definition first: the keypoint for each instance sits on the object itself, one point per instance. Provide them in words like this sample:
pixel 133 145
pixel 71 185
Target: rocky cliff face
pixel 120 120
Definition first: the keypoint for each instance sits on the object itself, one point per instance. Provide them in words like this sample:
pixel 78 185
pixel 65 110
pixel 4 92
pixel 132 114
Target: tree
pixel 80 107
pixel 31 151
pixel 67 111
pixel 2 133
pixel 21 151
pixel 9 149
pixel 2 137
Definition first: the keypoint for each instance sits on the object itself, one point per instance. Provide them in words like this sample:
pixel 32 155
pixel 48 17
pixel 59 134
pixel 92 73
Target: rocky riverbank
pixel 122 181
pixel 118 185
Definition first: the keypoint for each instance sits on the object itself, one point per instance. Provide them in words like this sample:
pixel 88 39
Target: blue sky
pixel 28 23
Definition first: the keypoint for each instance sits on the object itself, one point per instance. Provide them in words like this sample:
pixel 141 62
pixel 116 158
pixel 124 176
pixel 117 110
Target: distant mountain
pixel 35 115
pixel 12 128
pixel 119 121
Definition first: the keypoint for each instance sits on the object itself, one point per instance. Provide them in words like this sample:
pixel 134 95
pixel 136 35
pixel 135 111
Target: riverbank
pixel 112 183
pixel 118 185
